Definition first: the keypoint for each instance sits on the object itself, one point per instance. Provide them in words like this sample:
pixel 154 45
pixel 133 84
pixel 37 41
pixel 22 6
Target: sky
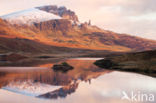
pixel 134 17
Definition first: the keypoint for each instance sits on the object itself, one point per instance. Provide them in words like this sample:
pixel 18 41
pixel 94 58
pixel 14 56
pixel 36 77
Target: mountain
pixel 52 26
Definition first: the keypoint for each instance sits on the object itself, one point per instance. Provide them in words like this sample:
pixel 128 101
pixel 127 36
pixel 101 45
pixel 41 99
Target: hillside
pixel 58 30
pixel 140 62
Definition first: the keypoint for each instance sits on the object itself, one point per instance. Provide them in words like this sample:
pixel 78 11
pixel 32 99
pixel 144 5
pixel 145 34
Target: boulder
pixel 62 67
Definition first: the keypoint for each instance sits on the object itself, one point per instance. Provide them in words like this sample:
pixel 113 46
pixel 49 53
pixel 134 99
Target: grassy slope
pixel 37 49
pixel 141 62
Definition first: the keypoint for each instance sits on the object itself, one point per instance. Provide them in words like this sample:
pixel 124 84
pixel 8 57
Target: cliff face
pixel 60 11
pixel 62 25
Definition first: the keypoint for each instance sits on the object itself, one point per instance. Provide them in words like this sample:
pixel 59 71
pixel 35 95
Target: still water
pixel 86 83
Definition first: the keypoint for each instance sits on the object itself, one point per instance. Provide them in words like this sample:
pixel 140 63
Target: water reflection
pixel 85 82
pixel 33 62
pixel 83 71
pixel 62 92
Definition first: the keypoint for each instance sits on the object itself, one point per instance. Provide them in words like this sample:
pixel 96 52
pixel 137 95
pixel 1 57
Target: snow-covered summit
pixel 29 16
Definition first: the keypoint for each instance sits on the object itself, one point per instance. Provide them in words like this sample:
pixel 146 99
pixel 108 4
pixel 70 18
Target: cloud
pixel 135 17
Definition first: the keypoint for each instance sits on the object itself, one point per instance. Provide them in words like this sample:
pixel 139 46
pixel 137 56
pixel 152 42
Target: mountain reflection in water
pixel 85 82
pixel 84 70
